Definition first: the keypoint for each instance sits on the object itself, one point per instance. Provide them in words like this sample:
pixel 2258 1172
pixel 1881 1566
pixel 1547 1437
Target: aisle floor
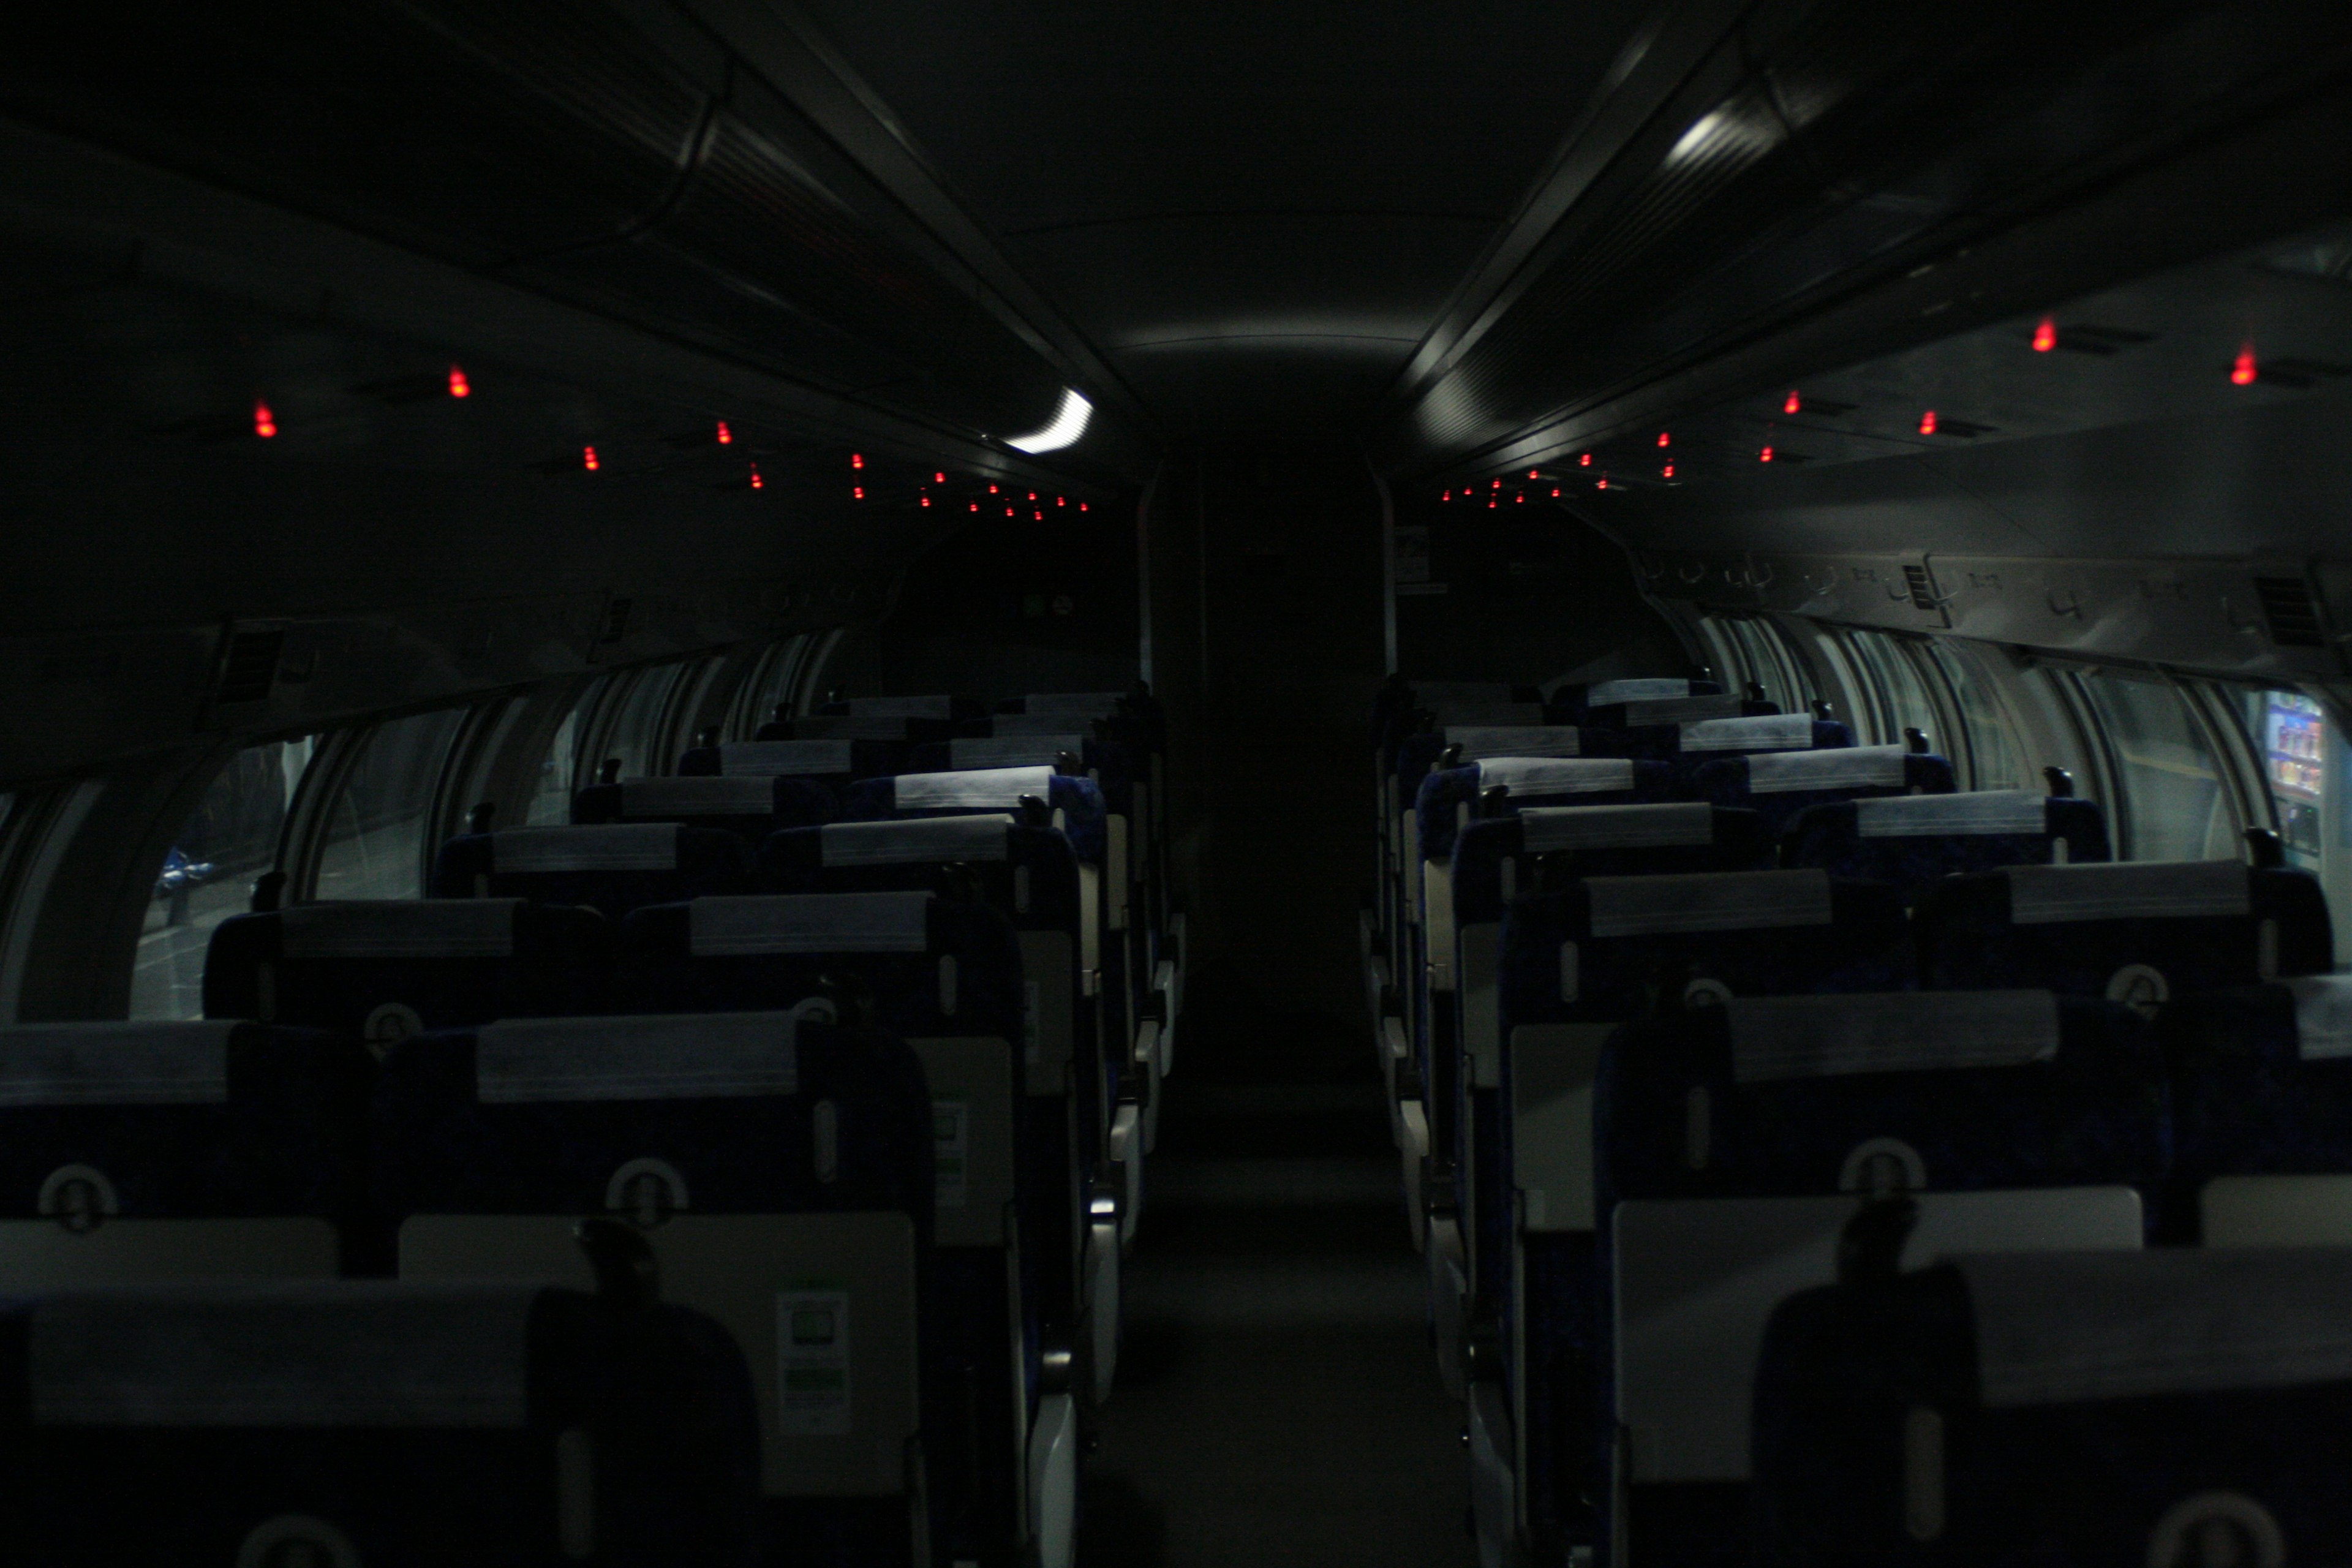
pixel 1277 1403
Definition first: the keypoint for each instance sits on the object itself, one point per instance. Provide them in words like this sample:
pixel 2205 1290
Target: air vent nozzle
pixel 1923 592
pixel 2289 613
pixel 250 667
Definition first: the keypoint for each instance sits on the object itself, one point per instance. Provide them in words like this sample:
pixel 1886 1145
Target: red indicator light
pixel 1061 501
pixel 588 459
pixel 1665 438
pixel 1669 472
pixel 1793 406
pixel 265 424
pixel 927 501
pixel 1498 484
pixel 991 490
pixel 757 482
pixel 2244 371
pixel 1519 500
pixel 1927 423
pixel 975 506
pixel 1533 474
pixel 1041 517
pixel 1603 484
pixel 1008 512
pixel 1032 495
pixel 1447 496
pixel 856 460
pixel 2046 336
pixel 857 492
pixel 1490 506
pixel 1585 461
pixel 1765 456
pixel 1555 489
pixel 458 385
pixel 939 478
pixel 726 436
pixel 1082 506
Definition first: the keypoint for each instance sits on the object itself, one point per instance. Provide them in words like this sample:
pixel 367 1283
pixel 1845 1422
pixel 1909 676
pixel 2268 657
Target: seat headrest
pixel 2127 889
pixel 975 788
pixel 1479 742
pixel 606 846
pixel 965 754
pixel 698 796
pixel 1708 900
pixel 738 925
pixel 1557 775
pixel 915 841
pixel 1776 1037
pixel 1761 733
pixel 1837 767
pixel 399 928
pixel 1969 815
pixel 793 759
pixel 1545 829
pixel 116 1063
pixel 687 1055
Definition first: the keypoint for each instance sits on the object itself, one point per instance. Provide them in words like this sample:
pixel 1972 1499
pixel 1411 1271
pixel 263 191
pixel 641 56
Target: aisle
pixel 1277 1402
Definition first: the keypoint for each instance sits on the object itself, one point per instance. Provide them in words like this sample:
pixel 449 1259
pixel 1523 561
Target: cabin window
pixel 558 779
pixel 2292 737
pixel 377 831
pixel 634 721
pixel 1748 649
pixel 2173 803
pixel 1899 698
pixel 777 680
pixel 1984 748
pixel 207 875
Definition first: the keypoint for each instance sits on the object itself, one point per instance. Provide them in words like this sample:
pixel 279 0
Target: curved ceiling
pixel 1255 213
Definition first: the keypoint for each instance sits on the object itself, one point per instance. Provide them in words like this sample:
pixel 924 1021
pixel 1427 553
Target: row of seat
pixel 822 1141
pixel 1666 1077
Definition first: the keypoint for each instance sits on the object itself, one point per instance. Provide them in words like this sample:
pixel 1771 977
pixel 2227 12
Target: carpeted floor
pixel 1277 1403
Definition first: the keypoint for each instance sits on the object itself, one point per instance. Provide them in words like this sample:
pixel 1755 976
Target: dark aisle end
pixel 1277 1402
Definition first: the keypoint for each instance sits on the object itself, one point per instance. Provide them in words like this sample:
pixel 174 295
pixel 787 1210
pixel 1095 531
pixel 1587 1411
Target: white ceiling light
pixel 1069 424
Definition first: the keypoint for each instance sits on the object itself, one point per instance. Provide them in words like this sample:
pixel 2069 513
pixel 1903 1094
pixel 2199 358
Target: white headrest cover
pixel 915 841
pixel 602 846
pixel 1545 829
pixel 1013 751
pixel 347 1354
pixel 1764 733
pixel 1973 812
pixel 2055 1328
pixel 795 758
pixel 2126 889
pixel 810 922
pixel 1479 742
pixel 115 1064
pixel 845 727
pixel 741 796
pixel 1776 1037
pixel 2323 1015
pixel 685 1056
pixel 1535 776
pixel 1711 900
pixel 1073 704
pixel 399 928
pixel 1835 767
pixel 977 788
pixel 1649 689
pixel 899 708
pixel 1681 709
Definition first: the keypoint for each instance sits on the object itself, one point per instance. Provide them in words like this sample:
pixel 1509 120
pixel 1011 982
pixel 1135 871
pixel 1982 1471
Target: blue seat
pixel 1914 841
pixel 1779 785
pixel 612 867
pixel 969 753
pixel 2262 1112
pixel 1570 703
pixel 1575 965
pixel 836 762
pixel 2172 1406
pixel 370 1422
pixel 390 969
pixel 1076 803
pixel 750 806
pixel 2140 932
pixel 1724 1138
pixel 779 1167
pixel 946 975
pixel 149 1152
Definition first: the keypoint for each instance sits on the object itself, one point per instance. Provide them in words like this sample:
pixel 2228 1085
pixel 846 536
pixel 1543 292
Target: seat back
pixel 1780 784
pixel 2140 932
pixel 342 1423
pixel 384 969
pixel 750 806
pixel 142 1152
pixel 834 760
pixel 612 867
pixel 757 1155
pixel 1570 703
pixel 1916 840
pixel 2175 1405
